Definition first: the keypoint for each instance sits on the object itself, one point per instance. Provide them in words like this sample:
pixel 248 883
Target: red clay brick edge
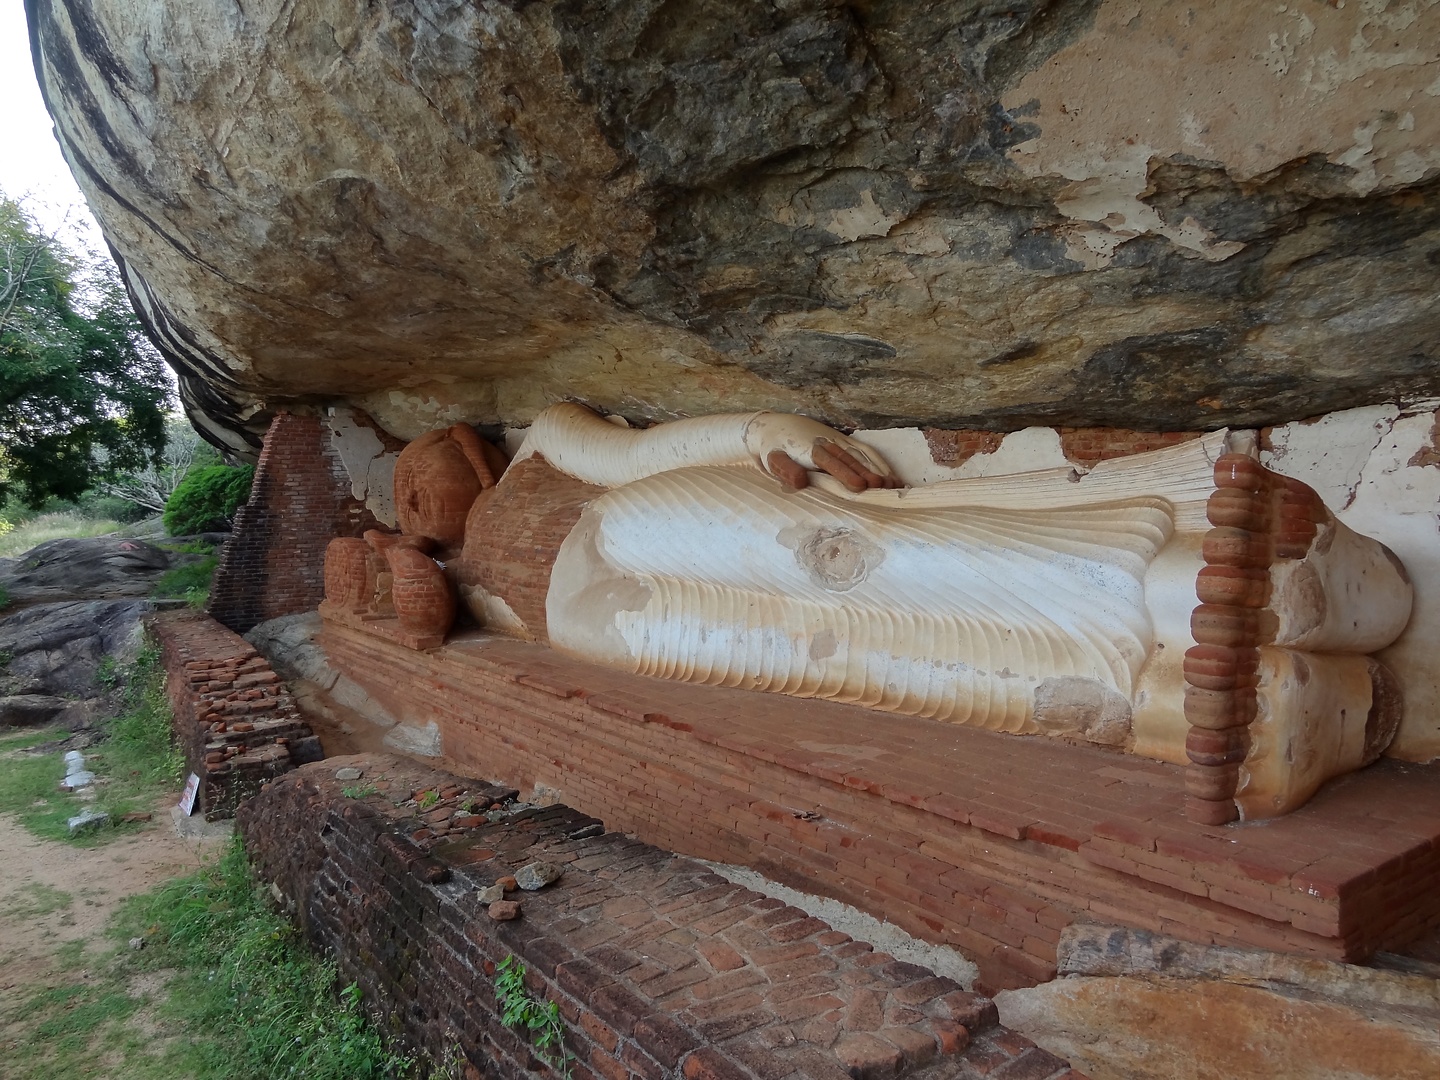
pixel 660 967
pixel 232 716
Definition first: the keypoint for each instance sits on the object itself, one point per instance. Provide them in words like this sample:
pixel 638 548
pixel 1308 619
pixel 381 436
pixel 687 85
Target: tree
pixel 82 392
pixel 151 486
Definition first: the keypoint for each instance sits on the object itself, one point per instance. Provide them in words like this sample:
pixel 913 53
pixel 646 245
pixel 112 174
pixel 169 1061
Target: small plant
pixel 183 582
pixel 357 792
pixel 519 1010
pixel 427 799
pixel 191 547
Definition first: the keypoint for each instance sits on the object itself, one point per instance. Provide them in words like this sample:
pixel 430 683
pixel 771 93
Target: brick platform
pixel 232 716
pixel 986 842
pixel 660 968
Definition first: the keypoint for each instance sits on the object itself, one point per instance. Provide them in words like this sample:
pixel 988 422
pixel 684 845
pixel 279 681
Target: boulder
pixel 961 215
pixel 1132 1005
pixel 90 568
pixel 1121 1028
pixel 58 649
pixel 31 710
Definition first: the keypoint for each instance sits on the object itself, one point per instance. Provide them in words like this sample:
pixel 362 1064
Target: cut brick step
pixel 625 942
pixel 232 763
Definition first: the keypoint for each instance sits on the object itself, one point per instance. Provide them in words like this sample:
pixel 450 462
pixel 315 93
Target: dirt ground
pixel 52 894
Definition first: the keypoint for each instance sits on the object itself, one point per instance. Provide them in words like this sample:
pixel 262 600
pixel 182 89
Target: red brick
pixel 709 1064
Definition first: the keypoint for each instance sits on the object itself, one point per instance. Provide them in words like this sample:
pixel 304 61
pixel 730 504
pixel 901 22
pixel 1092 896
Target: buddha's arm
pixel 578 442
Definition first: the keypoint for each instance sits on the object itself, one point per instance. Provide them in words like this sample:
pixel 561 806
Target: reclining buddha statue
pixel 772 553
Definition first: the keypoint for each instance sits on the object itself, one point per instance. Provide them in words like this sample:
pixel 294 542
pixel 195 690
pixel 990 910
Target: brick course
pixel 990 843
pixel 232 716
pixel 626 943
pixel 522 522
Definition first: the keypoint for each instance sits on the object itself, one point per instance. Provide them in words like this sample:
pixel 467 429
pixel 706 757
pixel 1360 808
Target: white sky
pixel 32 168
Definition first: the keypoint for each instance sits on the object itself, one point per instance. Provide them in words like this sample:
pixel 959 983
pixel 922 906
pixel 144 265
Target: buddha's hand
pixel 790 447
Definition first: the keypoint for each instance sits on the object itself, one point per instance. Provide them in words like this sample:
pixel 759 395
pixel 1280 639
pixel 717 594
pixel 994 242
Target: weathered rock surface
pixel 966 214
pixel 31 710
pixel 57 649
pixel 1133 1006
pixel 90 568
pixel 1174 1029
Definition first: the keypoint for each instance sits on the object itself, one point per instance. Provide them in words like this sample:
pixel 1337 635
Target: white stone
pixel 536 875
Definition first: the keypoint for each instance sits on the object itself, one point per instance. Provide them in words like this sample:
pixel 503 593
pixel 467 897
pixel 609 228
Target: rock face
pixel 83 569
pixel 1157 216
pixel 1136 1005
pixel 57 649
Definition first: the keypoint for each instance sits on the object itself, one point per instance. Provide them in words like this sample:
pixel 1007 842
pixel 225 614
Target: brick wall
pixel 232 716
pixel 659 967
pixel 990 843
pixel 523 522
pixel 1083 446
pixel 300 500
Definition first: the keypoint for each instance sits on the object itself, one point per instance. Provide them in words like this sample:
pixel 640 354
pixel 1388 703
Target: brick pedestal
pixel 991 843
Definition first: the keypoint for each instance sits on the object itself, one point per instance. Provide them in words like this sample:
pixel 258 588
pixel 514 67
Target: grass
pixel 137 762
pixel 225 989
pixel 233 994
pixel 189 583
pixel 57 525
pixel 189 547
pixel 35 899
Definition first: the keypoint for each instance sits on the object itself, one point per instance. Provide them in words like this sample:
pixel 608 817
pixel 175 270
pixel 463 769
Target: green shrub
pixel 207 499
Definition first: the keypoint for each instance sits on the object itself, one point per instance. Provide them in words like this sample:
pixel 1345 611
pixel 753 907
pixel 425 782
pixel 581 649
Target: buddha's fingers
pixel 844 466
pixel 787 470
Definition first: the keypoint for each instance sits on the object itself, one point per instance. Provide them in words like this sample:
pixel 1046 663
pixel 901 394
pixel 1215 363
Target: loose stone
pixel 349 772
pixel 537 875
pixel 491 893
pixel 504 910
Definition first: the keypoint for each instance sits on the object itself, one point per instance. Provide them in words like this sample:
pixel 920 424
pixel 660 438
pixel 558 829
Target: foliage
pixel 150 487
pixel 542 1021
pixel 190 582
pixel 136 763
pixel 232 993
pixel 82 392
pixel 256 1002
pixel 139 752
pixel 207 499
pixel 427 799
pixel 356 791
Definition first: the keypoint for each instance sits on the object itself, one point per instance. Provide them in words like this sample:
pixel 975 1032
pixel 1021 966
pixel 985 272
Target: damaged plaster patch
pixel 910 456
pixel 860 926
pixel 370 467
pixel 1330 454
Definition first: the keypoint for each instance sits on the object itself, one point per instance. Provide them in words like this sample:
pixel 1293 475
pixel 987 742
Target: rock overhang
pixel 1068 213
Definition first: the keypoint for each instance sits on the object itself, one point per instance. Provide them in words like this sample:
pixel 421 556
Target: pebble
pixel 508 883
pixel 504 910
pixel 537 875
pixel 349 772
pixel 137 943
pixel 490 894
